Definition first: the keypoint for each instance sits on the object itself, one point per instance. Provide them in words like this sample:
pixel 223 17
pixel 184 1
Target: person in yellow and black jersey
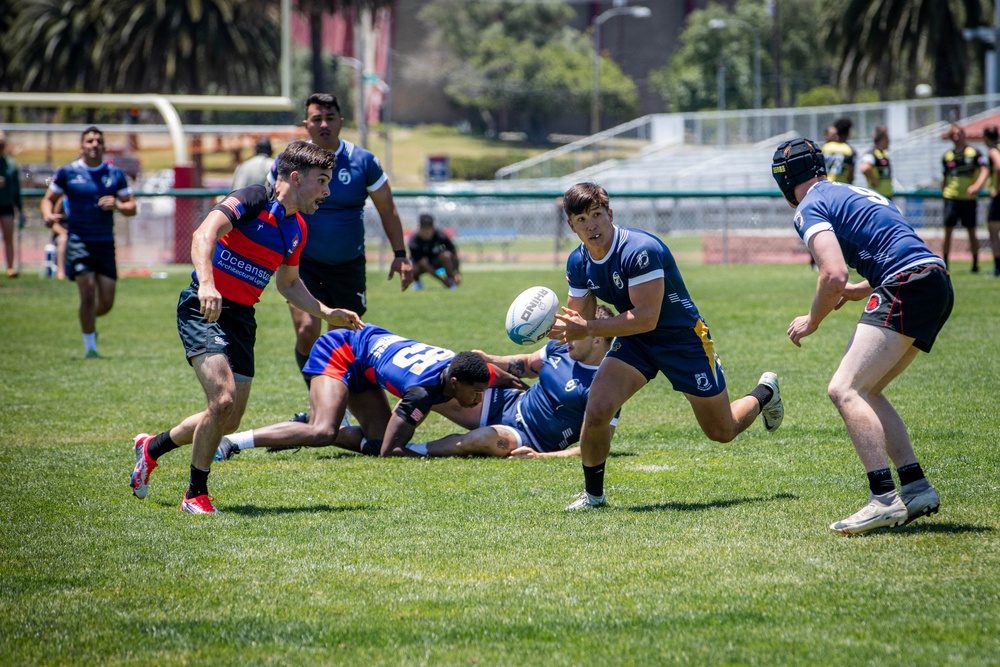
pixel 965 173
pixel 875 166
pixel 992 137
pixel 837 153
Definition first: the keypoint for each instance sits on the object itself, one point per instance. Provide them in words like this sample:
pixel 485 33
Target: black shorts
pixel 923 294
pixel 233 334
pixel 960 212
pixel 91 257
pixel 337 285
pixel 994 214
pixel 6 210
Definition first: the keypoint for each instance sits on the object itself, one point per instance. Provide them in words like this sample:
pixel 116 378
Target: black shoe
pixel 975 268
pixel 300 417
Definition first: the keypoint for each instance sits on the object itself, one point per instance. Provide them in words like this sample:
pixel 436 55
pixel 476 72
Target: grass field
pixel 708 554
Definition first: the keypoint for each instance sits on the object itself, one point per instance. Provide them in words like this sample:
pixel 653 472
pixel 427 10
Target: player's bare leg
pixel 497 441
pixel 721 420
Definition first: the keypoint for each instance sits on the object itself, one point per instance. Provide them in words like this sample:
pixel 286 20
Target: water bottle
pixel 48 269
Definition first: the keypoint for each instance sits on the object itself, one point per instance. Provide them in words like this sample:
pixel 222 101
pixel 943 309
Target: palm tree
pixel 191 47
pixel 878 41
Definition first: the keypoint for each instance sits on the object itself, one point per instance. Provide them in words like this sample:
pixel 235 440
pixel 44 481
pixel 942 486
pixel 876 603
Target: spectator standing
pixel 991 136
pixel 10 201
pixel 92 191
pixel 875 164
pixel 432 252
pixel 965 173
pixel 255 170
pixel 333 262
pixel 837 153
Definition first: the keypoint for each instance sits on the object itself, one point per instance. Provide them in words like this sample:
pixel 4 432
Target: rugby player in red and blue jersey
pixel 908 296
pixel 658 329
pixel 244 241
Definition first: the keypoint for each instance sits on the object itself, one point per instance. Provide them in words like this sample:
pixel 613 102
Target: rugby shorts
pixel 233 334
pixel 916 303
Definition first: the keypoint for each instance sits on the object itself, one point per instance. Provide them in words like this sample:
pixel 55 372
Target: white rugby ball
pixel 531 315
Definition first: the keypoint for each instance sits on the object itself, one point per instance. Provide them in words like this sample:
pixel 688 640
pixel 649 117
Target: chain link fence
pixel 512 229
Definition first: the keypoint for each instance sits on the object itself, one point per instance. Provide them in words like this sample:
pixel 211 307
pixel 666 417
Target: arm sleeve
pixel 415 404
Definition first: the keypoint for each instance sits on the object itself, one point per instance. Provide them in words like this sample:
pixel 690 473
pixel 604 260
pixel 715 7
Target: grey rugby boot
pixel 920 499
pixel 883 510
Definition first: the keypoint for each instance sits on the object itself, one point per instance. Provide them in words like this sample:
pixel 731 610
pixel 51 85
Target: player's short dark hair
pixel 301 156
pixel 603 312
pixel 469 368
pixel 426 220
pixel 879 133
pixel 991 133
pixel 93 129
pixel 263 147
pixel 323 100
pixel 584 196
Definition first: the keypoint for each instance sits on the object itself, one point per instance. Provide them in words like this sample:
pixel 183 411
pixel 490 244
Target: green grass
pixel 709 554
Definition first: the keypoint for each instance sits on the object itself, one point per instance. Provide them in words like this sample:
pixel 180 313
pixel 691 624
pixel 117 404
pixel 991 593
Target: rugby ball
pixel 531 315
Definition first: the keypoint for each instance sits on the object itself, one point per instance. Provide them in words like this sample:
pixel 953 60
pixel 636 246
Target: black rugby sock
pixel 199 483
pixel 593 479
pixel 160 445
pixel 763 394
pixel 880 481
pixel 909 474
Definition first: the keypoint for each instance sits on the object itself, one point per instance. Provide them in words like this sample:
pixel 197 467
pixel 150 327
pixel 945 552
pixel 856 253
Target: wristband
pixel 400 254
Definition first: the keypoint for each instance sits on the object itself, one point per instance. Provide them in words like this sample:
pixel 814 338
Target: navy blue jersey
pixel 81 187
pixel 551 410
pixel 874 236
pixel 636 257
pixel 337 228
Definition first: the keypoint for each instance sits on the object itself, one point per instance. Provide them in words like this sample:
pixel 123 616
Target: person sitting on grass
pixel 433 253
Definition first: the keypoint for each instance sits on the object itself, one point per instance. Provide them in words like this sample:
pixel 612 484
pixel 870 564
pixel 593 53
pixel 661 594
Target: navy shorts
pixel 923 294
pixel 687 359
pixel 233 334
pixel 994 214
pixel 960 212
pixel 336 285
pixel 500 409
pixel 90 257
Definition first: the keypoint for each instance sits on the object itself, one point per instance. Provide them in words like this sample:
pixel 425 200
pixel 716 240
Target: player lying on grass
pixel 543 421
pixel 847 226
pixel 350 369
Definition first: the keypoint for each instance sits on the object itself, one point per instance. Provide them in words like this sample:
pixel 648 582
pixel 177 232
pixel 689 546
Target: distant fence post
pixel 184 212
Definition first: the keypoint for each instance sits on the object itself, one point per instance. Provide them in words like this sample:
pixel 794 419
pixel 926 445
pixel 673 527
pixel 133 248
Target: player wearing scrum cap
pixel 850 226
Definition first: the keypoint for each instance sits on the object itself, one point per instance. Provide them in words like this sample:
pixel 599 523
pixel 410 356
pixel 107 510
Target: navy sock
pixel 910 473
pixel 763 394
pixel 199 483
pixel 301 360
pixel 593 479
pixel 160 445
pixel 880 481
pixel 371 447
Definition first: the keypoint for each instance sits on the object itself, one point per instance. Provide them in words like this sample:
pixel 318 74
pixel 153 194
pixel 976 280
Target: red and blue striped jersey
pixel 261 240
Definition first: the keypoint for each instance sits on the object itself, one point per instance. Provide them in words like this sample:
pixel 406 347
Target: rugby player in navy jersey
pixel 908 297
pixel 354 369
pixel 540 422
pixel 658 329
pixel 243 241
pixel 333 264
pixel 92 191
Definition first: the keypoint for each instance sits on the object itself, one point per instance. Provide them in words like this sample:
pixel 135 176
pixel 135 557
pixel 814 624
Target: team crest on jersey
pixel 616 346
pixel 798 221
pixel 874 301
pixel 618 280
pixel 572 385
pixel 106 180
pixel 701 380
pixel 344 176
pixel 643 259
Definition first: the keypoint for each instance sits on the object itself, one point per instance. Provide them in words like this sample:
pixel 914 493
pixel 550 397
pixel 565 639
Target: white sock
pixel 243 439
pixel 418 447
pixel 90 341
